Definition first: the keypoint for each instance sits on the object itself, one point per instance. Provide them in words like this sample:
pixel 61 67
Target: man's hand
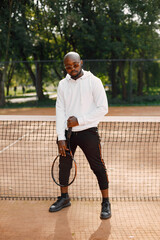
pixel 72 122
pixel 62 147
pixel 62 144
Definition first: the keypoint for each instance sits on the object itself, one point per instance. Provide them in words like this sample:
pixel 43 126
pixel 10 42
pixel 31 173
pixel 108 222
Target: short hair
pixel 72 55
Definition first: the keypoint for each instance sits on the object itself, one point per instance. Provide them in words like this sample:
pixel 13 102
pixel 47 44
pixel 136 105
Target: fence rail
pixel 127 78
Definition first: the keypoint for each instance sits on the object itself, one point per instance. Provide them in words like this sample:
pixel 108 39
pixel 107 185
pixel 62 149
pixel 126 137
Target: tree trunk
pixel 3 73
pixel 7 88
pixel 9 77
pixel 39 85
pixel 37 77
pixel 147 80
pixel 140 80
pixel 2 95
pixel 112 75
pixel 32 75
pixel 122 79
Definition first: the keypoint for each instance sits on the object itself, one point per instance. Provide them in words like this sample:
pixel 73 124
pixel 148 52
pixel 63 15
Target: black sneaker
pixel 59 204
pixel 106 210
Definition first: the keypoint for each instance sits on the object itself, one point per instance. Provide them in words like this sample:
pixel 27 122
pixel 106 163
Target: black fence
pixel 125 80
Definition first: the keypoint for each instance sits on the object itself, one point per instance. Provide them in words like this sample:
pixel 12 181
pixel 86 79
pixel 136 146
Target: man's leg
pixel 64 200
pixel 105 193
pixel 64 189
pixel 106 206
pixel 89 142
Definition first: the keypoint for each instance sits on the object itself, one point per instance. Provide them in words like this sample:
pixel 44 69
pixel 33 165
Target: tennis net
pixel 130 150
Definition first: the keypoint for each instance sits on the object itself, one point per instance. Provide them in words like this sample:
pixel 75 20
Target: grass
pixel 152 100
pixel 31 104
pixel 145 100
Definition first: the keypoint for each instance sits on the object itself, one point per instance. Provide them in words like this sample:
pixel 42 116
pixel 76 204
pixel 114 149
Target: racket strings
pixel 64 170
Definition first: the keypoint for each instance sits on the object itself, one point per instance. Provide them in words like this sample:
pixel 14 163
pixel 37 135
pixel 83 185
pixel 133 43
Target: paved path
pixel 31 97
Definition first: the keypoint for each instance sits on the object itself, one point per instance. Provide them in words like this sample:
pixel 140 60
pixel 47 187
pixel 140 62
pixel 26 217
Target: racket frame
pixel 73 162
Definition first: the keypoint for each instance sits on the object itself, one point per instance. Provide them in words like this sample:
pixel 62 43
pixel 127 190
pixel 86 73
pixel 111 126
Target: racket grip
pixel 69 133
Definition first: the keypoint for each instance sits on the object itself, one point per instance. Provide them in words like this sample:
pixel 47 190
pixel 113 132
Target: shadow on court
pixel 30 220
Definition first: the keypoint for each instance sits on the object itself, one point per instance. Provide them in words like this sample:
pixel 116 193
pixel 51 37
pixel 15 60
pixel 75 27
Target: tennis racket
pixel 64 168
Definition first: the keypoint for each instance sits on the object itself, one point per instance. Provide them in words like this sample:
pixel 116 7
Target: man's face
pixel 73 67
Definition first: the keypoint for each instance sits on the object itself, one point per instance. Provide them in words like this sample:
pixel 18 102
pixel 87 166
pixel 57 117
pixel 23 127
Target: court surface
pixel 31 220
pixel 113 111
pixel 21 219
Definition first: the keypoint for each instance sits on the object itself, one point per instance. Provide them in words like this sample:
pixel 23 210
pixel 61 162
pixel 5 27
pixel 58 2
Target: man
pixel 81 104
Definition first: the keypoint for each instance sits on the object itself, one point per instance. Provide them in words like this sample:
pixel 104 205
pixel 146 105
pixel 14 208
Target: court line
pixel 20 138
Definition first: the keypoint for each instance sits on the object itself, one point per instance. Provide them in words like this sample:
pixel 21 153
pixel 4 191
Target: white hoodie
pixel 84 98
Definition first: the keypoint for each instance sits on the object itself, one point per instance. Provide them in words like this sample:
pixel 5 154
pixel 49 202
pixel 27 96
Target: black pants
pixel 88 140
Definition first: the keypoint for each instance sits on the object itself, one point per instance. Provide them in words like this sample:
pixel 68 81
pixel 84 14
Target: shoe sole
pixel 58 209
pixel 105 217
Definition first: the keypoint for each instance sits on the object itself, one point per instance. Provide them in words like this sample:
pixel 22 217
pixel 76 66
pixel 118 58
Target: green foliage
pixel 28 104
pixel 113 29
pixel 136 101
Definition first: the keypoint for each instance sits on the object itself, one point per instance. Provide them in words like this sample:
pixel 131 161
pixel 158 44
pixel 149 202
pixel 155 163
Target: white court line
pixel 20 138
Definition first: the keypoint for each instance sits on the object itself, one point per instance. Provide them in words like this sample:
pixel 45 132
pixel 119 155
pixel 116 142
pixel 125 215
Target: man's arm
pixel 60 114
pixel 61 122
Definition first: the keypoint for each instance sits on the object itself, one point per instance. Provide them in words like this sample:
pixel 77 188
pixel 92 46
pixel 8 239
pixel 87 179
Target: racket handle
pixel 69 133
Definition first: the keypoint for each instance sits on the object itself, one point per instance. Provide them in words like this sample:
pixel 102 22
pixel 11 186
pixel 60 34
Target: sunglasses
pixel 75 65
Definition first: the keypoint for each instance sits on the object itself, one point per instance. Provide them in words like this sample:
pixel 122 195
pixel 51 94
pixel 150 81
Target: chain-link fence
pixel 125 80
pixel 128 80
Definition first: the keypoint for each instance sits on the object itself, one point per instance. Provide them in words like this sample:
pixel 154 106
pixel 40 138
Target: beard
pixel 77 75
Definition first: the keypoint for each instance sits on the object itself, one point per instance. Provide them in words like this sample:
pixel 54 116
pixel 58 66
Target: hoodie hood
pixel 85 74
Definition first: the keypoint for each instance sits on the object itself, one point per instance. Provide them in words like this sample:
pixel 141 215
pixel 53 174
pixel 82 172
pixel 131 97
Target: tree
pixel 115 30
pixel 5 17
pixel 145 42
